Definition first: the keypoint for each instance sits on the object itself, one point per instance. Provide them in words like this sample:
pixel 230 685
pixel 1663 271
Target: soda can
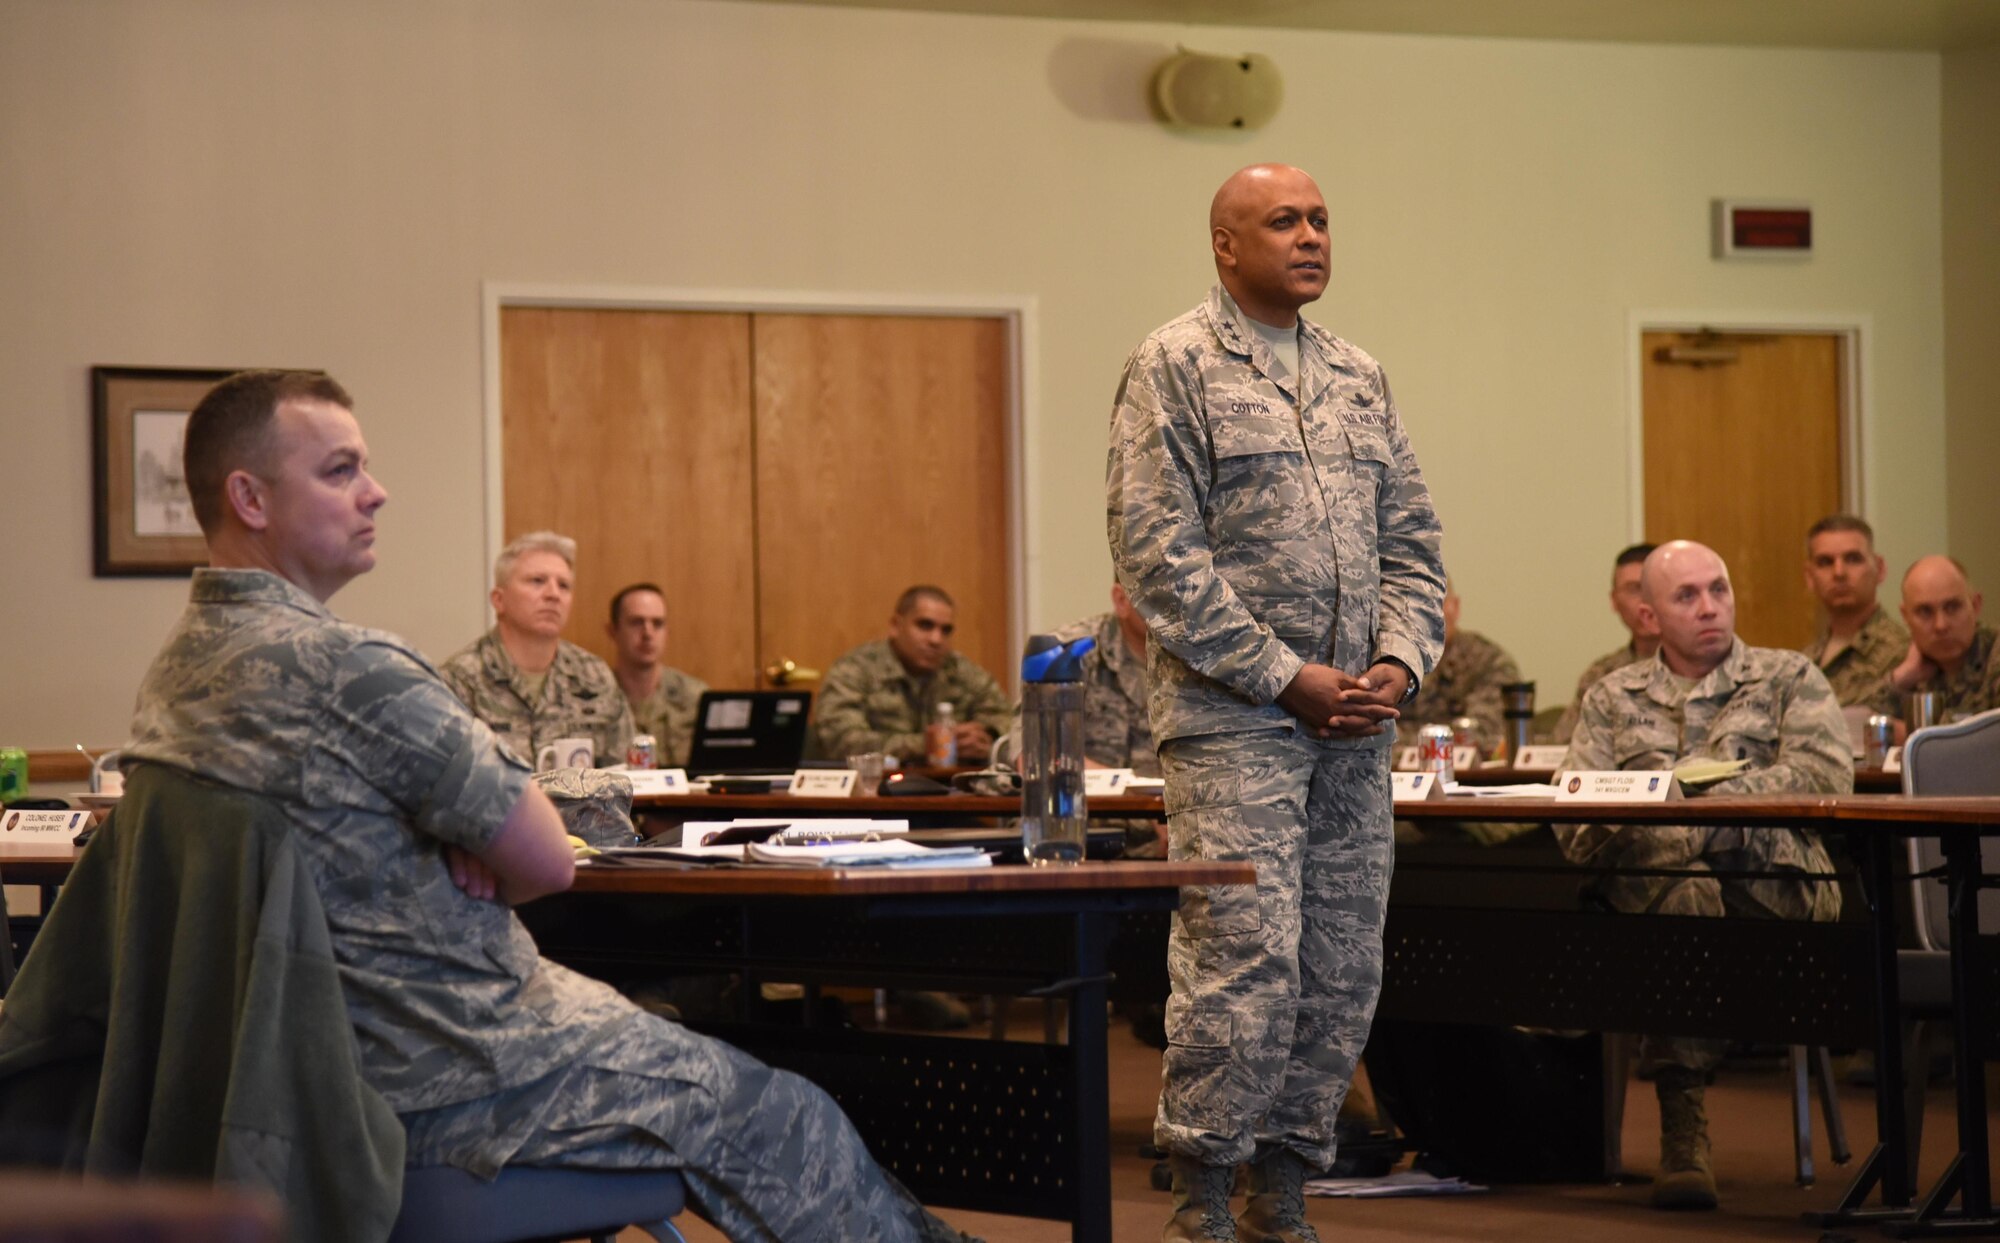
pixel 1879 737
pixel 13 774
pixel 1434 743
pixel 642 753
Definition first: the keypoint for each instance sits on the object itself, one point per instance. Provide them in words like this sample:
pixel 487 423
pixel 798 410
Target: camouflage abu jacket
pixel 1259 524
pixel 1761 704
pixel 1857 672
pixel 579 699
pixel 1466 682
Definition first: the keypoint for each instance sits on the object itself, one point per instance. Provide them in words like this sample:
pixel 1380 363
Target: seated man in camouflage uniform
pixel 881 695
pixel 663 699
pixel 1706 695
pixel 1643 643
pixel 529 684
pixel 422 831
pixel 1116 731
pixel 1466 682
pixel 1951 650
pixel 1858 643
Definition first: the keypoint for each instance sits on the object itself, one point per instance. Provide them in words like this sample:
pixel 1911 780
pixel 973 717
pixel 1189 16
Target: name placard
pixel 1414 787
pixel 824 782
pixel 1102 782
pixel 1464 758
pixel 1617 787
pixel 1406 759
pixel 1549 758
pixel 1892 760
pixel 42 832
pixel 651 781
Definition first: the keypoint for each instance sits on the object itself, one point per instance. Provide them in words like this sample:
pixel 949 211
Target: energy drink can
pixel 1434 744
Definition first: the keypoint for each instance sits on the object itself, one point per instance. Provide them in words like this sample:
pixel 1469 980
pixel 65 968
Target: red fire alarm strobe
pixel 1762 230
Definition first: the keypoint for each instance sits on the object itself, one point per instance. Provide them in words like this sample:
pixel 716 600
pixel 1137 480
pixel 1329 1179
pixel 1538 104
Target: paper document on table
pixel 867 854
pixel 1526 789
pixel 802 829
pixel 1406 1183
pixel 1708 772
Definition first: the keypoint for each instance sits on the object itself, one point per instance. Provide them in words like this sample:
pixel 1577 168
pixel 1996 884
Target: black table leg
pixel 1887 1167
pixel 1090 1080
pixel 1968 1178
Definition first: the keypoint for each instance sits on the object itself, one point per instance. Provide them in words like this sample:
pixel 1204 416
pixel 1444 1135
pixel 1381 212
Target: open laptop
pixel 748 732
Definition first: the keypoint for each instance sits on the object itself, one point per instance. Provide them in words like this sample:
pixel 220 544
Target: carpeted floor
pixel 1748 1123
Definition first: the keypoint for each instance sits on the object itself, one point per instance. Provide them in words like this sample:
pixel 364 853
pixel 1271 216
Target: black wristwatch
pixel 1409 692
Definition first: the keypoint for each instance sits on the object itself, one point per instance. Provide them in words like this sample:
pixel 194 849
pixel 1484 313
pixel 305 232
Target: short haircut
pixel 1635 554
pixel 618 601
pixel 228 431
pixel 1839 522
pixel 922 591
pixel 534 541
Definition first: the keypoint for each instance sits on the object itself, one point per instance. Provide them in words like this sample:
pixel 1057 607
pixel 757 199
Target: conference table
pixel 1755 977
pixel 998 1126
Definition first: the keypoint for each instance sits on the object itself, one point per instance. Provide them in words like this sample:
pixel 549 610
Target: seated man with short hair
pixel 421 830
pixel 529 684
pixel 1706 695
pixel 1951 650
pixel 1858 643
pixel 663 699
pixel 881 695
pixel 1643 643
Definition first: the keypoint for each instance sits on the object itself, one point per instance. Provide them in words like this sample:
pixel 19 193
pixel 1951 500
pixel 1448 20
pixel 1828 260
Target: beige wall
pixel 233 181
pixel 1972 312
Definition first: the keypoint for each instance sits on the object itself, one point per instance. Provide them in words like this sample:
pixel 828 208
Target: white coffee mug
pixel 564 753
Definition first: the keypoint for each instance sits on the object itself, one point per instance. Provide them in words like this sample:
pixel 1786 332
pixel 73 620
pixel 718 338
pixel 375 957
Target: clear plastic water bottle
pixel 1052 805
pixel 941 737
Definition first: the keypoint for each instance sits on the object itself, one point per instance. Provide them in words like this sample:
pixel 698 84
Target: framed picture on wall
pixel 144 522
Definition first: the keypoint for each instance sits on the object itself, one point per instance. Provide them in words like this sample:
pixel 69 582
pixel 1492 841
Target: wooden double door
pixel 782 476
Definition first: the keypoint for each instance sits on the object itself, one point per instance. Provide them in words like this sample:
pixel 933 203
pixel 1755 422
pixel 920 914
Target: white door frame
pixel 1855 331
pixel 1018 310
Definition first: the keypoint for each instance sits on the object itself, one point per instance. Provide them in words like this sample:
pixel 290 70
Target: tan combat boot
pixel 1276 1212
pixel 1201 1202
pixel 1685 1181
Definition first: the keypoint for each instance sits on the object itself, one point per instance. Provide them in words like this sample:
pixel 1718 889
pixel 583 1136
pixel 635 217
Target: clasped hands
pixel 1335 704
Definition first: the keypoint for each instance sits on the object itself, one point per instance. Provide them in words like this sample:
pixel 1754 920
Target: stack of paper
pixel 1529 789
pixel 894 854
pixel 1407 1183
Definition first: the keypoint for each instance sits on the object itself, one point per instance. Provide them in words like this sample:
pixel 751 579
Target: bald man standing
pixel 1268 521
pixel 1706 695
pixel 1951 650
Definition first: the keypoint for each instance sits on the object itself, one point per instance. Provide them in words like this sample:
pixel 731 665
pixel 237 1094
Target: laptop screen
pixel 749 732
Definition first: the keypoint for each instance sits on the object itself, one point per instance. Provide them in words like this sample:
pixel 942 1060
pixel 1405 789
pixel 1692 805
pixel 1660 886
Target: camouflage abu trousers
pixel 1274 986
pixel 765 1154
pixel 1718 851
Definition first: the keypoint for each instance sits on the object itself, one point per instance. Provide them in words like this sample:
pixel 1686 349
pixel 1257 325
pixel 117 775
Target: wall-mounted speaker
pixel 1205 91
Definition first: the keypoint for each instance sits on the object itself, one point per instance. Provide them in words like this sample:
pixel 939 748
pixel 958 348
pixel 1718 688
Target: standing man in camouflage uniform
pixel 1269 522
pixel 1116 731
pixel 1466 682
pixel 663 699
pixel 422 830
pixel 1858 643
pixel 1707 696
pixel 1951 650
pixel 881 695
pixel 1644 642
pixel 529 684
